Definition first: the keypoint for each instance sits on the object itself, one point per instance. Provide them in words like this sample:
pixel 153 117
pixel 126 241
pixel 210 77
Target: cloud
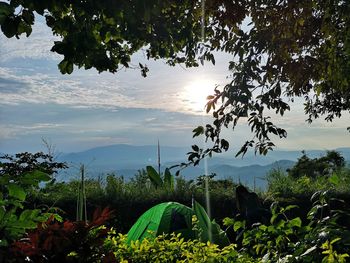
pixel 36 46
pixel 22 87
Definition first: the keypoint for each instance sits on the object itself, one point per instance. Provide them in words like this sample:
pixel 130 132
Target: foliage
pixel 289 49
pixel 325 237
pixel 104 35
pixel 310 175
pixel 281 50
pixel 138 193
pixel 22 163
pixel 20 176
pixel 166 182
pixel 172 248
pixel 68 241
pixel 324 165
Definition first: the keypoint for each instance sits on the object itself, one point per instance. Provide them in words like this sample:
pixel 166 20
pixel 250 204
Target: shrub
pixel 67 241
pixel 171 248
pixel 323 237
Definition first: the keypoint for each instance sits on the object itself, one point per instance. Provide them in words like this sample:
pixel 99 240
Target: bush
pixel 172 248
pixel 323 237
pixel 66 241
pixel 281 184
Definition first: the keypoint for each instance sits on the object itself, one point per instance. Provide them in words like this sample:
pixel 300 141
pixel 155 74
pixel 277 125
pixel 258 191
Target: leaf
pixel 335 240
pixel 9 27
pixel 203 221
pixel 5 11
pixel 238 225
pixel 16 191
pixel 195 148
pixel 311 249
pixel 290 207
pixel 295 222
pixel 334 179
pixel 198 131
pixel 154 177
pixel 28 16
pixel 35 177
pixel 168 179
pixel 66 67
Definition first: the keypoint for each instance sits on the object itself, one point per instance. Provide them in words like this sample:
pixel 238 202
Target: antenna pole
pixel 158 158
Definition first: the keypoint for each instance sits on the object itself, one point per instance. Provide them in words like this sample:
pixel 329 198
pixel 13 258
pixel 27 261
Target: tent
pixel 174 217
pixel 163 218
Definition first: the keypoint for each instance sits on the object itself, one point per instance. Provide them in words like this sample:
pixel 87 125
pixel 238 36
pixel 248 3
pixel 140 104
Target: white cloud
pixel 76 92
pixel 36 46
pixel 8 131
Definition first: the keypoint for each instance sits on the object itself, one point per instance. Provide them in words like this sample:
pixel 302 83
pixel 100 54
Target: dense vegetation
pixel 279 50
pixel 39 222
pixel 290 49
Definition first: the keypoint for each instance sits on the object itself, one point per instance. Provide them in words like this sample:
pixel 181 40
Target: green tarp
pixel 174 217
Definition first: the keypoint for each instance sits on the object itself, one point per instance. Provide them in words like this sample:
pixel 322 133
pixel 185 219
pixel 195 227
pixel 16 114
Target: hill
pixel 126 160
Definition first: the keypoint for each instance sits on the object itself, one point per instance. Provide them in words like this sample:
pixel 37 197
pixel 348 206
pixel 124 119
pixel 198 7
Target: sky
pixel 87 109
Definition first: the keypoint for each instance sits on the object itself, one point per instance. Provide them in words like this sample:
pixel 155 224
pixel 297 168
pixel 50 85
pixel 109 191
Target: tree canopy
pixel 281 50
pixel 322 166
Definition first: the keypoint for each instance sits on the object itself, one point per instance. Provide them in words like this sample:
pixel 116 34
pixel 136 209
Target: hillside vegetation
pixel 40 222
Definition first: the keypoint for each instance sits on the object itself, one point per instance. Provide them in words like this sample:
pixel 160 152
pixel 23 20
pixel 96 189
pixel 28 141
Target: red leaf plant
pixel 54 241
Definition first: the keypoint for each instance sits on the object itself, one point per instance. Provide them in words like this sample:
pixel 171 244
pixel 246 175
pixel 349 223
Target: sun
pixel 195 94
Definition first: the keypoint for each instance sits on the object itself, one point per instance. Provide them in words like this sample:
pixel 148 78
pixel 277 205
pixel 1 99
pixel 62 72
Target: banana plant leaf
pixel 209 230
pixel 154 177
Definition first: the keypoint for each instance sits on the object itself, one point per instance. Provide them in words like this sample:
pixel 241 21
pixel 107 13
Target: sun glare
pixel 195 94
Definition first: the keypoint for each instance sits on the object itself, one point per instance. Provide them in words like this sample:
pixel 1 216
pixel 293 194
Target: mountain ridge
pixel 125 160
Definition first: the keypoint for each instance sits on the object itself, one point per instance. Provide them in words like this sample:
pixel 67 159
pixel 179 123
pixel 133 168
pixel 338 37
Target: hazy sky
pixel 87 109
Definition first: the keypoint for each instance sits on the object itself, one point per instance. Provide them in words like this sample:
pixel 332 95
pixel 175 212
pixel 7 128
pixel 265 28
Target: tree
pixel 322 166
pixel 289 49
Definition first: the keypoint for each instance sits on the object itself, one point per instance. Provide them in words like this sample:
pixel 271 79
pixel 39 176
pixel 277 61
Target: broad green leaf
pixel 35 177
pixel 203 221
pixel 154 177
pixel 16 192
pixel 295 222
pixel 168 179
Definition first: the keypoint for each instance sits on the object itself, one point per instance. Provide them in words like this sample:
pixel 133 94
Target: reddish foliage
pixel 52 241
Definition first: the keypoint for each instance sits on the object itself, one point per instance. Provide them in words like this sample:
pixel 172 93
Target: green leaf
pixel 290 207
pixel 203 220
pixel 227 221
pixel 66 67
pixel 197 131
pixel 5 10
pixel 154 177
pixel 35 177
pixel 295 222
pixel 9 27
pixel 168 179
pixel 16 191
pixel 334 179
pixel 238 225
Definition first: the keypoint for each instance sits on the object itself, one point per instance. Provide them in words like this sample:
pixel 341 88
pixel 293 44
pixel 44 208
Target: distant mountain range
pixel 126 160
